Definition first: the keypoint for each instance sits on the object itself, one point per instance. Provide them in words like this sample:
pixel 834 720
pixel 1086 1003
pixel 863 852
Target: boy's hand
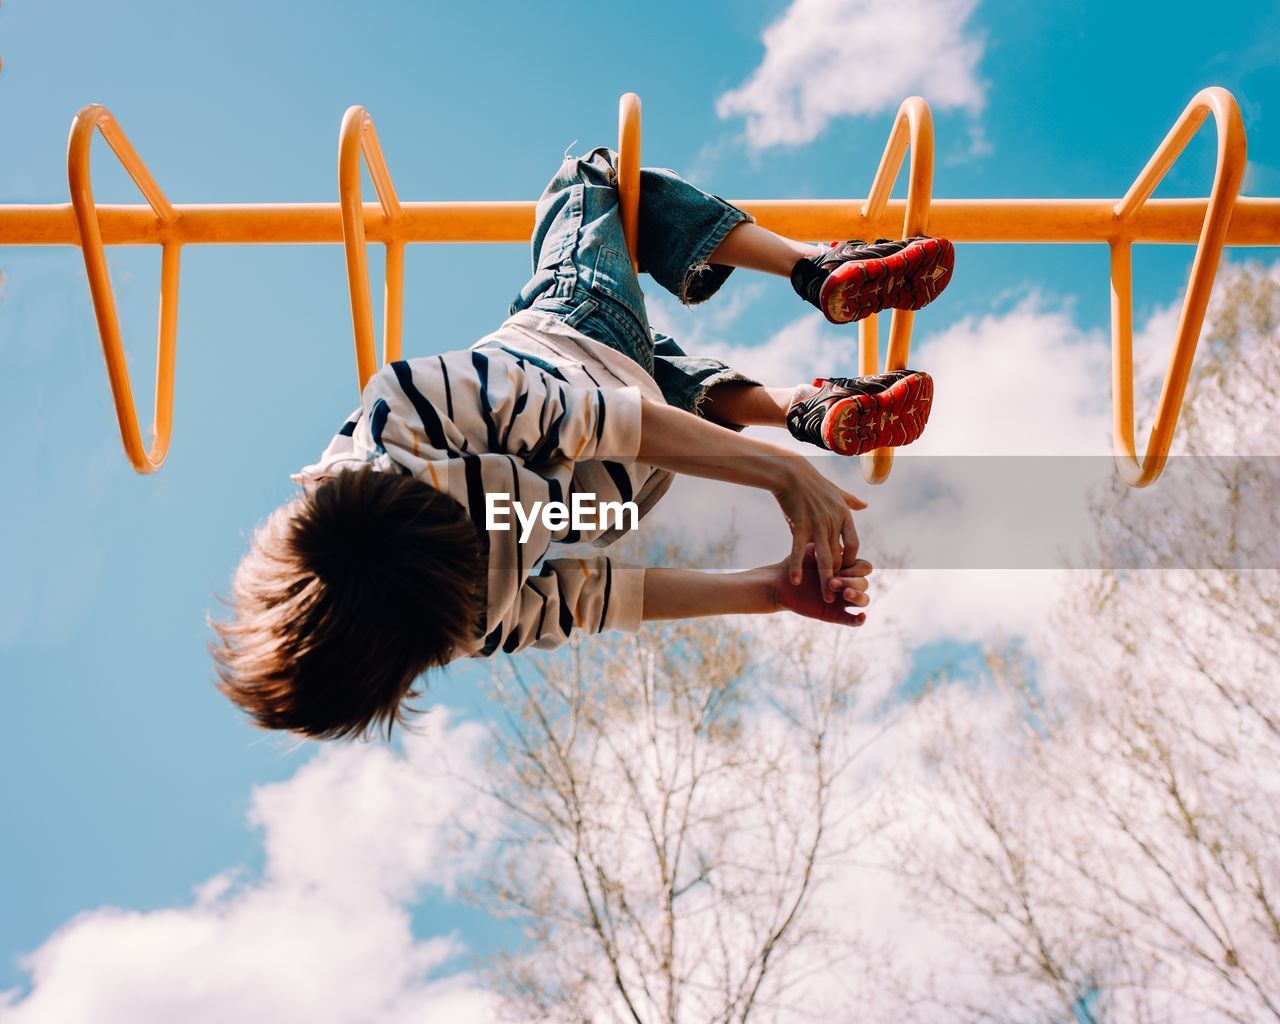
pixel 816 509
pixel 818 513
pixel 845 591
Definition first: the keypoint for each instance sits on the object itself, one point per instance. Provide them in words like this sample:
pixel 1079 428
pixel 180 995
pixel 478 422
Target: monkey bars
pixel 1224 218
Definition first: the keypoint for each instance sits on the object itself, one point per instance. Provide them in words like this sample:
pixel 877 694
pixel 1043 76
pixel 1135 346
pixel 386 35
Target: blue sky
pixel 126 776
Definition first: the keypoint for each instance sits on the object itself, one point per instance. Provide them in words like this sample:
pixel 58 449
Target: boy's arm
pixel 593 595
pixel 815 508
pixel 687 593
pixel 600 594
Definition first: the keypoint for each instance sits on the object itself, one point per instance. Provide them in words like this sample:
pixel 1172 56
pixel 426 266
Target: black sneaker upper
pixel 810 272
pixel 806 416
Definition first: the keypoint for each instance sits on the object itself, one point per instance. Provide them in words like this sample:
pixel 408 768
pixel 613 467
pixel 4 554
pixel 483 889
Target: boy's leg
pixel 847 415
pixel 755 248
pixel 747 404
pixel 584 274
pixel 581 270
pixel 689 243
pixel 680 227
pixel 847 281
pixel 841 414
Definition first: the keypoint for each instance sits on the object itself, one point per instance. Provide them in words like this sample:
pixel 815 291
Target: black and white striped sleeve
pixel 594 595
pixel 492 402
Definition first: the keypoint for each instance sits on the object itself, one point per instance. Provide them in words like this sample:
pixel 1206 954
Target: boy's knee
pixel 597 167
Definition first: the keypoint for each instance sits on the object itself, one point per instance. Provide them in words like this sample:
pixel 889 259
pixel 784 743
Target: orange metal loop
pixel 89 232
pixel 1222 218
pixel 912 128
pixel 629 172
pixel 357 136
pixel 1222 197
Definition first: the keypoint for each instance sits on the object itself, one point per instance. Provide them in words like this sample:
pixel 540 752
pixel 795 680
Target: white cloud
pixel 805 348
pixel 1025 381
pixel 352 840
pixel 972 605
pixel 694 327
pixel 837 58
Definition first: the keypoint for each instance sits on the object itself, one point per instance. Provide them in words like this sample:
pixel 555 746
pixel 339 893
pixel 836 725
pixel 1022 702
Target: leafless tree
pixel 669 820
pixel 1104 824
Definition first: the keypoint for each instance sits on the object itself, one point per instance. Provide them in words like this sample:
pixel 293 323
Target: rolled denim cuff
pixel 702 280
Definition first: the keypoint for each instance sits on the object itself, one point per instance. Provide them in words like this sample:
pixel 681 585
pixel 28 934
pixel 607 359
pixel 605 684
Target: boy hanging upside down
pixel 383 566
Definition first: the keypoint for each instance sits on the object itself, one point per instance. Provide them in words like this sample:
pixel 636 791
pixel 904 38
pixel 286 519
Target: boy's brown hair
pixel 346 595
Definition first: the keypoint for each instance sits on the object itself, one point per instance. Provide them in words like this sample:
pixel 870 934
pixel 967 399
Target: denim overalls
pixel 583 274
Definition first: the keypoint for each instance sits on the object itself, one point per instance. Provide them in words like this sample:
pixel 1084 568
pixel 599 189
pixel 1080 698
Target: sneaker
pixel 852 415
pixel 852 280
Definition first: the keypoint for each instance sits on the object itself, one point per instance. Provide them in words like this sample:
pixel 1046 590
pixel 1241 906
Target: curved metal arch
pixel 913 129
pixel 79 143
pixel 1134 218
pixel 357 136
pixel 1222 197
pixel 629 172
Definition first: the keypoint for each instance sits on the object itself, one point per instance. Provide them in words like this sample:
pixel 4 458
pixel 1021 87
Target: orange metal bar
pixel 629 172
pixel 1223 218
pixel 104 306
pixel 913 127
pixel 357 136
pixel 1222 197
pixel 1254 221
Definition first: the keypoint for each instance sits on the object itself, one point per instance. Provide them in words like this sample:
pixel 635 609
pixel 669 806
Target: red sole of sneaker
pixel 909 279
pixel 890 419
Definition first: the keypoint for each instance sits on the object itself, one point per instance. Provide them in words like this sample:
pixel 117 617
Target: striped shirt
pixel 536 411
